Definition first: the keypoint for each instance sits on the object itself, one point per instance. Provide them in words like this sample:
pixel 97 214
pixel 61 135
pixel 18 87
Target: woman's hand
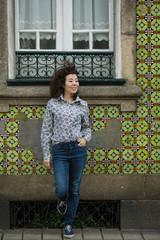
pixel 82 142
pixel 47 163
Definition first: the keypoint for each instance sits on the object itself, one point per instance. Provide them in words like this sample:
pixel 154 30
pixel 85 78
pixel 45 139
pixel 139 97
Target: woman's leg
pixel 61 171
pixel 76 167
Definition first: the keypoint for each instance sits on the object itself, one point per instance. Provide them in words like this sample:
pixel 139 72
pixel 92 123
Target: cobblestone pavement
pixel 80 234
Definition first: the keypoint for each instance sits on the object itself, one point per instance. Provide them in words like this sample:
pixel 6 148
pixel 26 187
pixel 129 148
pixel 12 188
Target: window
pixel 64 25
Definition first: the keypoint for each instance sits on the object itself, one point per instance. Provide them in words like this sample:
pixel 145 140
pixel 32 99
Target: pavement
pixel 80 234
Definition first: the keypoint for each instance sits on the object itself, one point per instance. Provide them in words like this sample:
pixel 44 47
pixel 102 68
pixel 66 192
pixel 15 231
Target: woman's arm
pixel 46 133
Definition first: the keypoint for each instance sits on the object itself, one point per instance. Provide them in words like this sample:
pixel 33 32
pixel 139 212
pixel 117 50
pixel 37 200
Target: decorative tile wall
pixel 140 132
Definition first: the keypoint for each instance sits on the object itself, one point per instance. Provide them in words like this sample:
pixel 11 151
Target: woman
pixel 66 127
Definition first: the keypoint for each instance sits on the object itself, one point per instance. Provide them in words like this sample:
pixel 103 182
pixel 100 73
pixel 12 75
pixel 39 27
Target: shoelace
pixel 62 203
pixel 68 228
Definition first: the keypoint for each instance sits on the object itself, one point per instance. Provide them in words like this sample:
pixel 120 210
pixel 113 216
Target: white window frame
pixel 64 30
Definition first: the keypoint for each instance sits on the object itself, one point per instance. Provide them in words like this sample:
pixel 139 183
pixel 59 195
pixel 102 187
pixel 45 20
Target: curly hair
pixel 59 78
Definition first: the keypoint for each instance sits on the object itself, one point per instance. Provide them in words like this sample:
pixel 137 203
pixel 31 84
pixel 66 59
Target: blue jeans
pixel 68 163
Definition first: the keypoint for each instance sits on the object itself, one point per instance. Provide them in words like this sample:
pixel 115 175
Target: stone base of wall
pixel 139 195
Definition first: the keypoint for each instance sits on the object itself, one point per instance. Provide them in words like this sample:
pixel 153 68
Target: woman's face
pixel 71 84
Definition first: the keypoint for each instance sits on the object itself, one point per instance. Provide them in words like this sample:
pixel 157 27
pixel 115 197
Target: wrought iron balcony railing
pixel 38 67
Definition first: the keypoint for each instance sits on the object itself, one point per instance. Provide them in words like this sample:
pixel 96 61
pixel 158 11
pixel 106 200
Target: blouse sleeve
pixel 85 128
pixel 46 133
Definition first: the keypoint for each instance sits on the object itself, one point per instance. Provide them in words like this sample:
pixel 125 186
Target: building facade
pixel 124 111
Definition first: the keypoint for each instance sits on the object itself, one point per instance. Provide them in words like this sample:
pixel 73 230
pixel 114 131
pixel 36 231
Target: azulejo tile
pixel 12 127
pixel 142 154
pixel 127 126
pixel 98 125
pixel 113 169
pixel 155 140
pixel 113 154
pixel 12 141
pixel 155 168
pixel 98 112
pixel 12 156
pixel 142 168
pixel 99 155
pixel 128 155
pixel 142 140
pixel 142 126
pixel 155 154
pixel 128 169
pixel 27 155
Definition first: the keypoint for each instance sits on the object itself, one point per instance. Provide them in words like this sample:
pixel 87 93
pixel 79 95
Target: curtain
pixel 91 14
pixel 37 14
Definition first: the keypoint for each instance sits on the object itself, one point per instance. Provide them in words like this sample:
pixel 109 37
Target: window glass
pixel 91 15
pixel 37 15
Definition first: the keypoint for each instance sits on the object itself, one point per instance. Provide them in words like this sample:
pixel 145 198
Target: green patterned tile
pixel 155 39
pixel 41 170
pixel 27 155
pixel 12 156
pixel 155 54
pixel 155 111
pixel 142 39
pixel 12 141
pixel 1 141
pixel 1 156
pixel 27 111
pixel 142 155
pixel 155 97
pixel 155 126
pixel 127 140
pixel 113 112
pixel 40 111
pixel 99 169
pixel 99 155
pixel 155 68
pixel 127 114
pixel 26 170
pixel 113 169
pixel 142 25
pixel 12 113
pixel 155 9
pixel 12 170
pixel 155 140
pixel 98 112
pixel 142 140
pixel 155 168
pixel 143 98
pixel 155 83
pixel 142 126
pixel 155 154
pixel 142 54
pixel 142 68
pixel 128 155
pixel 128 169
pixel 127 126
pixel 141 9
pixel 142 168
pixel 12 127
pixel 142 83
pixel 113 154
pixel 1 170
pixel 98 125
pixel 142 112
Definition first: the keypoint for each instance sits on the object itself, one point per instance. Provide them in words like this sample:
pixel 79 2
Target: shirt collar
pixel 77 100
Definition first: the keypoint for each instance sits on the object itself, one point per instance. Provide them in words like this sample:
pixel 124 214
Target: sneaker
pixel 68 233
pixel 62 207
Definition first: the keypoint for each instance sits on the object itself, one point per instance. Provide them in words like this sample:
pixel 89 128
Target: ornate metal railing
pixel 42 65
